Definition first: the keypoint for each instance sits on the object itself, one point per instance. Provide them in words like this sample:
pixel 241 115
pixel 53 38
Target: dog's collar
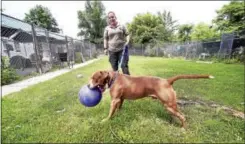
pixel 110 83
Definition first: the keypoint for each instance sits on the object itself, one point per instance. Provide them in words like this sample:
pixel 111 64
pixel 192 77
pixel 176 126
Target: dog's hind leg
pixel 177 114
pixel 171 105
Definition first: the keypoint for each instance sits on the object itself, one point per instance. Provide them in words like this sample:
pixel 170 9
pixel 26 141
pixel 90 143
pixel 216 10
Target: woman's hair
pixel 111 12
pixel 108 21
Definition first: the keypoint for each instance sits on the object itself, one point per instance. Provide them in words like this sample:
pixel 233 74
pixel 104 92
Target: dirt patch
pixel 185 102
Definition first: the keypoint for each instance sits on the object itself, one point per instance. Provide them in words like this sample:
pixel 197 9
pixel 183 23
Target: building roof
pixel 22 32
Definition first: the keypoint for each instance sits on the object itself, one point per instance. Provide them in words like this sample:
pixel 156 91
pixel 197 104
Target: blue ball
pixel 89 97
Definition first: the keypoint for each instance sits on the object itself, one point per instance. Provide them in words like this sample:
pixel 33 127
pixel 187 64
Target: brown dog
pixel 129 87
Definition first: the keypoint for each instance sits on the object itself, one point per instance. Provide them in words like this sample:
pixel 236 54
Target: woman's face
pixel 112 17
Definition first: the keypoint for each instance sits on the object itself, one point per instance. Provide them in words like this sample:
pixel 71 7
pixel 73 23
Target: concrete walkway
pixel 15 87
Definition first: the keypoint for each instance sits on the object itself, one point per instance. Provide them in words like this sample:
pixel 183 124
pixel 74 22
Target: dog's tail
pixel 173 79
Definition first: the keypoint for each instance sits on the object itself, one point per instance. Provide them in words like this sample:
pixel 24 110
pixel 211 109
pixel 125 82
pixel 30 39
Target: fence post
pixel 157 49
pixel 25 50
pixel 186 52
pixel 38 62
pixel 135 51
pixel 83 60
pixel 67 48
pixel 68 54
pixel 142 50
pixel 49 46
pixel 90 51
pixel 73 50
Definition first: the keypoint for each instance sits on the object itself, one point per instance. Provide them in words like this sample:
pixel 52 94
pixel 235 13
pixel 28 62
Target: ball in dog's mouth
pixel 101 87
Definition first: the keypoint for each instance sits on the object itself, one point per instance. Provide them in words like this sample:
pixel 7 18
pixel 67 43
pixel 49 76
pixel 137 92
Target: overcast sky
pixel 65 12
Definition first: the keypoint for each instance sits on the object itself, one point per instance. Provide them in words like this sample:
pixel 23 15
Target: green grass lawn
pixel 51 112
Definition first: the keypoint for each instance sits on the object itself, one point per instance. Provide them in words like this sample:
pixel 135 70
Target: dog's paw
pixel 104 120
pixel 183 130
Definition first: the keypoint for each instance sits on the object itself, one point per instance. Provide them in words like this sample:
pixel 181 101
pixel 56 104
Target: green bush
pixel 9 74
pixel 153 50
pixel 94 54
pixel 239 54
pixel 78 57
pixel 231 61
pixel 150 50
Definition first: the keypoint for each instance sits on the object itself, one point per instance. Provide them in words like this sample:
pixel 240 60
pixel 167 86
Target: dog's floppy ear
pixel 106 74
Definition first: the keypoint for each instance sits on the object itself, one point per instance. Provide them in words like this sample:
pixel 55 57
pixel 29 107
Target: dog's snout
pixel 90 85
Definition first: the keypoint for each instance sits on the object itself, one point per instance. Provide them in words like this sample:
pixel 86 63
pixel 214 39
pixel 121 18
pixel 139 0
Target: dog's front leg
pixel 120 104
pixel 114 105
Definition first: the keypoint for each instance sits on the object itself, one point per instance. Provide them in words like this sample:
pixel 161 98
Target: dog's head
pixel 99 79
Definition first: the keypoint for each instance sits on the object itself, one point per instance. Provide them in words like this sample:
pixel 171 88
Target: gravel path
pixel 15 87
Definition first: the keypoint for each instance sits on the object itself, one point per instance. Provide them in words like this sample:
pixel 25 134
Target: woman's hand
pixel 127 41
pixel 105 51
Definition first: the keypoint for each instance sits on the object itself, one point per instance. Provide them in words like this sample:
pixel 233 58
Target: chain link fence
pixel 223 49
pixel 30 48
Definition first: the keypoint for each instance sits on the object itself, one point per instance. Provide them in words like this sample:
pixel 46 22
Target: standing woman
pixel 116 38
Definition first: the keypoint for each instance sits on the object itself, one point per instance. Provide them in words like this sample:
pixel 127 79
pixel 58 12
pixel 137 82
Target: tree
pixel 184 32
pixel 202 32
pixel 92 21
pixel 231 17
pixel 149 28
pixel 41 16
pixel 146 28
pixel 169 25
